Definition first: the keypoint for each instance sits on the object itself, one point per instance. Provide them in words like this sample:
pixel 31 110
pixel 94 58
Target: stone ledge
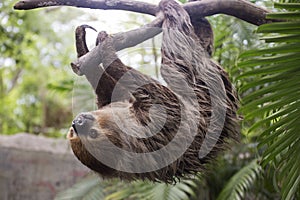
pixel 36 167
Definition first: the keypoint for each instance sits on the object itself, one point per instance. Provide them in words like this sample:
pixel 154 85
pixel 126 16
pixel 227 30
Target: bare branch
pixel 241 9
pixel 137 36
pixel 120 41
pixel 134 6
pixel 15 79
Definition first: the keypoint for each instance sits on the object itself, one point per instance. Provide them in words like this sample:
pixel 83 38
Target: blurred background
pixel 40 95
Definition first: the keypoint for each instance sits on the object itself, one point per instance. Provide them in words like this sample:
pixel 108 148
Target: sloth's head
pixel 84 125
pixel 97 133
pixel 97 128
pixel 91 137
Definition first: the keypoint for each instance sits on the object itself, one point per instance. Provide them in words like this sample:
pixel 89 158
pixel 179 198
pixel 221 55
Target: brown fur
pixel 135 103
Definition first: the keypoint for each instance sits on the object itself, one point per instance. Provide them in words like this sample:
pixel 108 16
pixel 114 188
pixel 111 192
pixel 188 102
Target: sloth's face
pixel 96 128
pixel 84 125
pixel 88 137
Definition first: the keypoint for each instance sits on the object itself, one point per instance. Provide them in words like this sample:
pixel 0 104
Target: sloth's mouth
pixel 72 134
pixel 74 128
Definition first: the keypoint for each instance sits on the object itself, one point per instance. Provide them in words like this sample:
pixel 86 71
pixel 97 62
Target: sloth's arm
pixel 113 81
pixel 100 80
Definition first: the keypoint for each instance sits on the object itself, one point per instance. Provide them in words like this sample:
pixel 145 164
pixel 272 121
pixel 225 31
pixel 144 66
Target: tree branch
pixel 15 79
pixel 120 41
pixel 134 6
pixel 241 9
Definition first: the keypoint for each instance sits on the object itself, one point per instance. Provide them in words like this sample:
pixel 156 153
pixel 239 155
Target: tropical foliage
pixel 31 60
pixel 273 85
pixel 267 167
pixel 35 85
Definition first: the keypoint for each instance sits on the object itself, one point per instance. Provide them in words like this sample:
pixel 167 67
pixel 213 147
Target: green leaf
pixel 295 47
pixel 280 27
pixel 241 182
pixel 272 98
pixel 85 189
pixel 288 6
pixel 271 60
pixel 286 15
pixel 282 38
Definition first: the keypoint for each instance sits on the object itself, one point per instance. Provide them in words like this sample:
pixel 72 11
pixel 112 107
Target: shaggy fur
pixel 143 116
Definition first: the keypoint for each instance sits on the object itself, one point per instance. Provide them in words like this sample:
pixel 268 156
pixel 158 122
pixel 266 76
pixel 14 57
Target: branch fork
pixel 241 9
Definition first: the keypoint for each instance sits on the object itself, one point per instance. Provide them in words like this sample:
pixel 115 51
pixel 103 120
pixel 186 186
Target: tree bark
pixel 120 41
pixel 241 9
pixel 134 6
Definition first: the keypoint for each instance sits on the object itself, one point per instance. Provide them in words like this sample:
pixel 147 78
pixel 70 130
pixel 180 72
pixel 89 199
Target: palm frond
pixel 241 182
pixel 93 188
pixel 152 191
pixel 273 97
pixel 89 188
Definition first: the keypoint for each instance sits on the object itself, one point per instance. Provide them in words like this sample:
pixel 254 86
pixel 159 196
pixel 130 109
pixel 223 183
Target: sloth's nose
pixel 82 121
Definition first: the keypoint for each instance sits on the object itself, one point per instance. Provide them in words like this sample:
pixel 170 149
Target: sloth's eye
pixel 93 133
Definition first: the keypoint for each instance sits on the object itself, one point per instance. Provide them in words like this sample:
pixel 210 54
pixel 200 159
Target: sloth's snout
pixel 83 118
pixel 83 122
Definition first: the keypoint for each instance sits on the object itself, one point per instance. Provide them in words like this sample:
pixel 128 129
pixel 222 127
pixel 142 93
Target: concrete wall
pixel 36 168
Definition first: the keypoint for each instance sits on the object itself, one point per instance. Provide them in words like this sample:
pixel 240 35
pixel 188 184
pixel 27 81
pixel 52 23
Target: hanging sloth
pixel 147 130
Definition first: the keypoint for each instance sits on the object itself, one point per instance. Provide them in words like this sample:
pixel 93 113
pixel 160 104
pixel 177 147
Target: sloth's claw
pixel 80 34
pixel 81 46
pixel 101 37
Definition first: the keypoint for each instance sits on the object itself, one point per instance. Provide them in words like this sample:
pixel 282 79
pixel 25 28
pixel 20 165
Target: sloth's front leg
pixel 102 82
pixel 81 47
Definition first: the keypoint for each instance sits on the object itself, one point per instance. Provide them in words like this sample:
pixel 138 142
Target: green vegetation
pixel 266 164
pixel 35 80
pixel 36 84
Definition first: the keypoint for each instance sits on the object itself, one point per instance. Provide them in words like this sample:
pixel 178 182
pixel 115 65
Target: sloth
pixel 144 129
